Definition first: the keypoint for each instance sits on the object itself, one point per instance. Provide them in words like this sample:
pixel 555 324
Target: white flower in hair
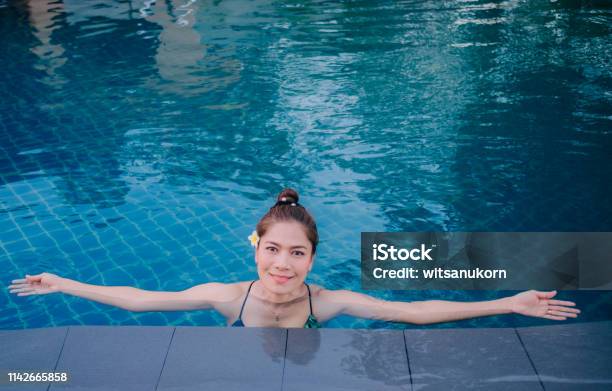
pixel 254 238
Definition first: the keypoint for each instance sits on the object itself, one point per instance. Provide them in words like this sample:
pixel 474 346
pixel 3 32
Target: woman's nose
pixel 282 260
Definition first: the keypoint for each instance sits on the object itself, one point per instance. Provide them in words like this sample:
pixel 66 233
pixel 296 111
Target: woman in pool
pixel 285 243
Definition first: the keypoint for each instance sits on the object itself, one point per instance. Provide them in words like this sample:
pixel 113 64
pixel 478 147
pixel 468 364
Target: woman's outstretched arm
pixel 202 296
pixel 529 303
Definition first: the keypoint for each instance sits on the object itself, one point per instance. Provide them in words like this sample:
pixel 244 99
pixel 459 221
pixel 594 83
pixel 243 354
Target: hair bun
pixel 288 195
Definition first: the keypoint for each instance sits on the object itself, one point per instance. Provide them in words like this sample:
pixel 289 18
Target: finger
pixel 18 286
pixel 546 295
pixel 561 313
pixel 562 302
pixel 20 290
pixel 19 280
pixel 27 293
pixel 568 315
pixel 564 309
pixel 552 317
pixel 21 286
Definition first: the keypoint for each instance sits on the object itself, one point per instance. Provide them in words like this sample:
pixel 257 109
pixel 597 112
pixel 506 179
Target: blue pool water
pixel 140 141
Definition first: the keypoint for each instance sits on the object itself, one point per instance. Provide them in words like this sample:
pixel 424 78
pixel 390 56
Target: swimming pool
pixel 141 141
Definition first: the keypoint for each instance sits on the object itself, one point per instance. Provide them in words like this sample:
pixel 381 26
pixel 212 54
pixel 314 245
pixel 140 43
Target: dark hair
pixel 287 208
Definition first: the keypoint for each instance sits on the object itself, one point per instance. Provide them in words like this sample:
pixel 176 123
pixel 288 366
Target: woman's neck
pixel 279 300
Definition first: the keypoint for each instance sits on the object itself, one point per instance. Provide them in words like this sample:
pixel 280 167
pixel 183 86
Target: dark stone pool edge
pixel 556 357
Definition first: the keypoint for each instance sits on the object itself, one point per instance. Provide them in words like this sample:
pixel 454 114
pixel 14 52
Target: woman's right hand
pixel 39 284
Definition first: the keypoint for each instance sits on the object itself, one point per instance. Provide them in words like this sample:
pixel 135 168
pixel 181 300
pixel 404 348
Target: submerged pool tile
pixel 346 360
pixel 571 356
pixel 469 359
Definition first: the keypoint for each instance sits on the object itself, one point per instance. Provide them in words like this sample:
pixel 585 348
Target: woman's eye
pixel 298 253
pixel 271 249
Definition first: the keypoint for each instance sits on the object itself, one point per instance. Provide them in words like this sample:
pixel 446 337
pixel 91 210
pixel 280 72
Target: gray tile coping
pixel 475 359
pixel 210 358
pixel 571 356
pixel 557 357
pixel 113 357
pixel 340 359
pixel 35 350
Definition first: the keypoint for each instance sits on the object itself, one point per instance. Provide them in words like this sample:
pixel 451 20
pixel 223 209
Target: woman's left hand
pixel 540 304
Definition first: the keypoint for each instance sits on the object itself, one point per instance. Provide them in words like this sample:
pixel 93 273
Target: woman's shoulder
pixel 229 297
pixel 330 295
pixel 327 303
pixel 236 289
pixel 320 292
pixel 222 292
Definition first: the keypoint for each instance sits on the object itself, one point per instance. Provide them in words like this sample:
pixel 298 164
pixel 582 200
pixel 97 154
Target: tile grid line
pixel 60 355
pixel 284 359
pixel 165 357
pixel 408 359
pixel 529 358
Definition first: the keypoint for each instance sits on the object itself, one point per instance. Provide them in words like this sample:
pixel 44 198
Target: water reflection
pixel 272 345
pixel 211 93
pixel 303 345
pixel 377 356
pixel 43 19
pixel 186 65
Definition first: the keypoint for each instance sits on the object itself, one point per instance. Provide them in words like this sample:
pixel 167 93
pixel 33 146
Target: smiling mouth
pixel 280 279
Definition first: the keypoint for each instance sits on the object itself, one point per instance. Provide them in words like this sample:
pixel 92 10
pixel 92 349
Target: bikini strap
pixel 245 299
pixel 309 298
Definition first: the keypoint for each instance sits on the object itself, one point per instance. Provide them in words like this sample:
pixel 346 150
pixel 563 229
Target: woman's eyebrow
pixel 278 245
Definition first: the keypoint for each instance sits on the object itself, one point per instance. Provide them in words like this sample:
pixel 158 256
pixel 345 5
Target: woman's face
pixel 284 257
